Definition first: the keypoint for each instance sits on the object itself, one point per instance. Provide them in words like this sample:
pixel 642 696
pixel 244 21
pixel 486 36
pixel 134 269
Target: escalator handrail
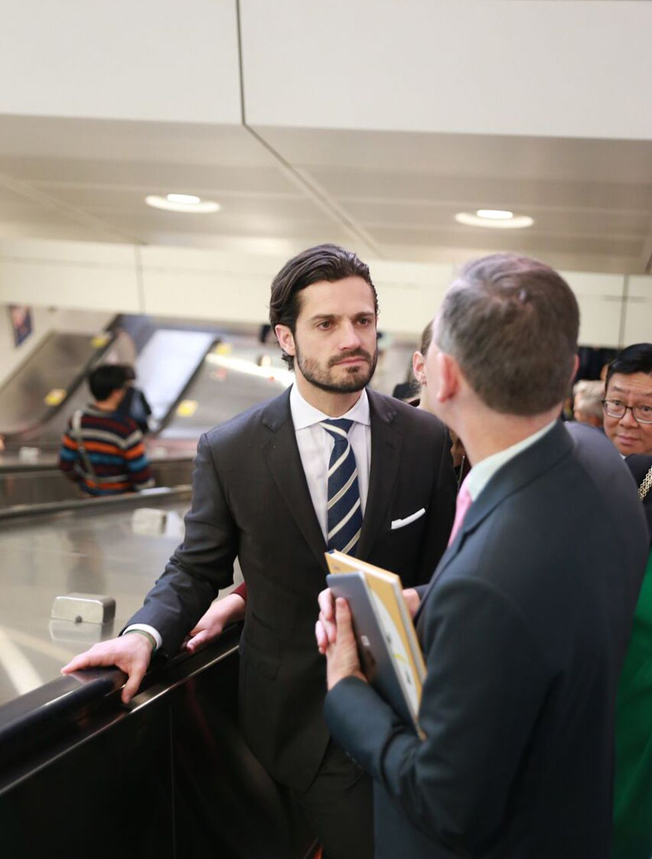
pixel 50 465
pixel 131 499
pixel 31 720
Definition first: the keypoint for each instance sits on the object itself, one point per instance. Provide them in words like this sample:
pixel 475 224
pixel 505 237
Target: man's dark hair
pixel 323 262
pixel 426 339
pixel 130 372
pixel 630 360
pixel 106 379
pixel 511 323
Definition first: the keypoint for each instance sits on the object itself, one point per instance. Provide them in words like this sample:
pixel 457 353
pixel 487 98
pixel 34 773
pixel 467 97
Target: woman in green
pixel 633 787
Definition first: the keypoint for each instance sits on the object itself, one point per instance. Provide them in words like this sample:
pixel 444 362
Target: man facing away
pixel 525 623
pixel 102 449
pixel 328 464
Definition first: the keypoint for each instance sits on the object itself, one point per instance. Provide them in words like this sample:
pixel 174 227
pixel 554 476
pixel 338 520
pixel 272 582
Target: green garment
pixel 633 788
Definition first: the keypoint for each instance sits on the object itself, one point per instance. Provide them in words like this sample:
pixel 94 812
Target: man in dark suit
pixel 525 623
pixel 328 464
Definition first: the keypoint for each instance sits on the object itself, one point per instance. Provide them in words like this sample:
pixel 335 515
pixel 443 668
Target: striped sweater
pixel 114 448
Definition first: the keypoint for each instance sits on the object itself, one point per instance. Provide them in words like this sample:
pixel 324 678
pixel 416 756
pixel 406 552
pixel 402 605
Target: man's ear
pixel 419 367
pixel 576 364
pixel 285 339
pixel 447 377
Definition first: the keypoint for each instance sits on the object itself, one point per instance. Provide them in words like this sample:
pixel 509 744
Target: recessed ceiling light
pixel 492 214
pixel 187 199
pixel 182 203
pixel 513 222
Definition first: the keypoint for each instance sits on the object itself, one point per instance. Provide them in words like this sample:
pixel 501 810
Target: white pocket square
pixel 401 523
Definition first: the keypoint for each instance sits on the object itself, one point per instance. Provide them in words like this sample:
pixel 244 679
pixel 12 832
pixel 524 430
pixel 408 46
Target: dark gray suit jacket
pixel 524 629
pixel 251 500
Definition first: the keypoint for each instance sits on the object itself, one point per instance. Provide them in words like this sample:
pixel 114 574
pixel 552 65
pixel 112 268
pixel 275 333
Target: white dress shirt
pixel 315 445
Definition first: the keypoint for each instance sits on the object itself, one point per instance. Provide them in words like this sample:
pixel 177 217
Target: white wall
pixel 229 287
pixel 93 276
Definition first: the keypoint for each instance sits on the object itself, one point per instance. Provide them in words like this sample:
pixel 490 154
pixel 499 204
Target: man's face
pixel 334 342
pixel 628 435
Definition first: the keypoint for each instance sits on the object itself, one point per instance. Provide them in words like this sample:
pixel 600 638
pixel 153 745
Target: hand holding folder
pixel 390 654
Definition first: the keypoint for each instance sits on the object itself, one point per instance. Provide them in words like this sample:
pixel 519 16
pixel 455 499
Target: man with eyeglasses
pixel 627 406
pixel 628 400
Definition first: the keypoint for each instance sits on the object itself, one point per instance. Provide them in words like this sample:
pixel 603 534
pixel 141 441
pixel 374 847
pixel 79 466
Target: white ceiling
pixel 541 107
pixel 391 195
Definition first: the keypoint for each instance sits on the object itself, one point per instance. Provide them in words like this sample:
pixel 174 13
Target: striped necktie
pixel 344 510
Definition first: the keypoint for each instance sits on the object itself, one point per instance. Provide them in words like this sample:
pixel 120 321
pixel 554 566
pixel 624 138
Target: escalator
pixel 232 377
pixel 167 776
pixel 194 380
pixel 44 384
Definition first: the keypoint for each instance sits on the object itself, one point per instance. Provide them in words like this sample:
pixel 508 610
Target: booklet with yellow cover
pixel 389 649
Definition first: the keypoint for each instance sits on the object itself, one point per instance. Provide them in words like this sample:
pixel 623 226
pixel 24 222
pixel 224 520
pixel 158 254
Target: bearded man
pixel 328 464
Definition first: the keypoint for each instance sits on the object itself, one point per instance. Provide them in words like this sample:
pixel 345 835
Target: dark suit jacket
pixel 524 629
pixel 251 500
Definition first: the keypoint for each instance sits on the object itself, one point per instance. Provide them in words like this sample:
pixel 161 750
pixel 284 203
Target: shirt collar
pixel 482 473
pixel 304 415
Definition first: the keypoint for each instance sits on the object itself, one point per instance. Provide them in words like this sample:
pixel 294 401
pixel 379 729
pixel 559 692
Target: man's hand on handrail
pixel 130 653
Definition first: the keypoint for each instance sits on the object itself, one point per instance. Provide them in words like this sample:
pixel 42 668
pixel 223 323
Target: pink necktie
pixel 463 504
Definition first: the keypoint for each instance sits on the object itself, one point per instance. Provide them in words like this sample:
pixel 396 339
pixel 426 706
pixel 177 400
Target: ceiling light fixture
pixel 186 199
pixel 498 219
pixel 182 203
pixel 491 214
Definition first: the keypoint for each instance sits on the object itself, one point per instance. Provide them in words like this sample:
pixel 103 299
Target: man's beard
pixel 323 377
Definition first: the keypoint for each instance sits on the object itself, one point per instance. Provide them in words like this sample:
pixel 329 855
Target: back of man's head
pixel 512 324
pixel 632 359
pixel 106 379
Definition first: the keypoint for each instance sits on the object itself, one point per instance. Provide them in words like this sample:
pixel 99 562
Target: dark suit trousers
pixel 339 807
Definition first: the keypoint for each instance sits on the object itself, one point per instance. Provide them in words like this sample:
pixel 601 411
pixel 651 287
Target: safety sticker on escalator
pixel 187 408
pixel 55 397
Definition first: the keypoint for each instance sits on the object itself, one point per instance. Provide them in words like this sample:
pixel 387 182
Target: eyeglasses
pixel 616 409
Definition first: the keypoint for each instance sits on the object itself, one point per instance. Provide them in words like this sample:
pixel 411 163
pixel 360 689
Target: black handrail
pixel 131 499
pixel 32 720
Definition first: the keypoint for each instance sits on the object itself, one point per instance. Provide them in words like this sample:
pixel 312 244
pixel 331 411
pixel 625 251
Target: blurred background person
pixel 628 400
pixel 627 409
pixel 102 449
pixel 633 781
pixel 134 402
pixel 587 402
pixel 420 371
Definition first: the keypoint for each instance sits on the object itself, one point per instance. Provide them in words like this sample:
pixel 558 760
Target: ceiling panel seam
pixel 305 183
pixel 646 255
pixel 29 192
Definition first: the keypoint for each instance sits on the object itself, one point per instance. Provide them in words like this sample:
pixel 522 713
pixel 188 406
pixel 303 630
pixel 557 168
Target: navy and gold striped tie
pixel 344 510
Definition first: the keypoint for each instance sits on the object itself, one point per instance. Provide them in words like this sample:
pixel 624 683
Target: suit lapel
pixel 385 461
pixel 512 477
pixel 282 455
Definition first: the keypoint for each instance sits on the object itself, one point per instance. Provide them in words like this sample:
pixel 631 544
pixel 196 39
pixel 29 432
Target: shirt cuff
pixel 146 628
pixel 241 591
